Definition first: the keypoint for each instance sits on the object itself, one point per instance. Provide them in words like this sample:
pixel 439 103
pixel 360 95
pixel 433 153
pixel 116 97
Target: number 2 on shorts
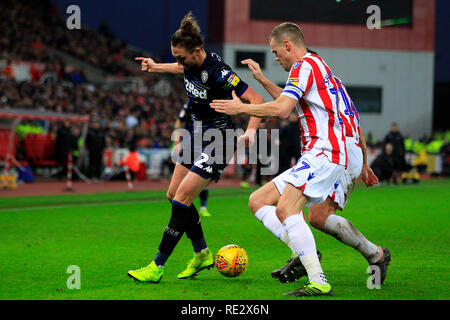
pixel 199 162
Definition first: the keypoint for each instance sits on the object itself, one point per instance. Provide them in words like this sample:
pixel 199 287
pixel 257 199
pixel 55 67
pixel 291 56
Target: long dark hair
pixel 189 34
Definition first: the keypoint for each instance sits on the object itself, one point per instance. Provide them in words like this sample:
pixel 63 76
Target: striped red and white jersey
pixel 348 113
pixel 312 84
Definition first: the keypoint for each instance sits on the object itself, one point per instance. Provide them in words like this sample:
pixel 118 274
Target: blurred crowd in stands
pixel 402 159
pixel 123 116
pixel 126 116
pixel 30 28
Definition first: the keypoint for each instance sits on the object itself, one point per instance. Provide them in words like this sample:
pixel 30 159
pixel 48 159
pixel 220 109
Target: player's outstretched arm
pixel 251 96
pixel 149 65
pixel 280 108
pixel 367 175
pixel 270 87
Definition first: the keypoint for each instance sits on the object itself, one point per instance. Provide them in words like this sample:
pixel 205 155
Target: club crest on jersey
pixel 233 80
pixel 204 76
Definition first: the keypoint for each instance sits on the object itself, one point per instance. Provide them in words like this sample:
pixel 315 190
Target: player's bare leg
pixel 267 195
pixel 322 217
pixel 189 188
pixel 179 173
pixel 262 203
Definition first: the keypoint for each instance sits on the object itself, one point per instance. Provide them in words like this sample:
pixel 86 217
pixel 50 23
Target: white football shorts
pixel 343 188
pixel 314 174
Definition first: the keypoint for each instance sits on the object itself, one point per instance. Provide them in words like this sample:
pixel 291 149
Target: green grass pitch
pixel 108 234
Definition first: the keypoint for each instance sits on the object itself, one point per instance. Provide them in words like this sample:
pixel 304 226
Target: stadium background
pixel 393 74
pixel 48 74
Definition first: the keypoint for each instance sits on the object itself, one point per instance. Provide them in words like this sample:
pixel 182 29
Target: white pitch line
pixel 97 204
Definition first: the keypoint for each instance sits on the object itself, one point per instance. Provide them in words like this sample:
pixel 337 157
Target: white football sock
pixel 312 265
pixel 303 241
pixel 268 217
pixel 344 231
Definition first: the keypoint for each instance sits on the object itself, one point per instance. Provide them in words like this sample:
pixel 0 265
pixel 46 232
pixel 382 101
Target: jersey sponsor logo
pixel 195 91
pixel 204 76
pixel 233 80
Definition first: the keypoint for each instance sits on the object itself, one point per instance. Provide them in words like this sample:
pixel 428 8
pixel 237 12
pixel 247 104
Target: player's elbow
pixel 256 99
pixel 284 107
pixel 259 100
pixel 283 113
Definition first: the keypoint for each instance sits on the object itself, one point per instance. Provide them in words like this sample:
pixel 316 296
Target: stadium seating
pixel 4 144
pixel 39 149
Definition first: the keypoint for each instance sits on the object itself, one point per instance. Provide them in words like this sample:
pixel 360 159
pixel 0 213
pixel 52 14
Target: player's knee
pixel 252 203
pixel 255 202
pixel 170 196
pixel 314 217
pixel 183 197
pixel 318 215
pixel 281 213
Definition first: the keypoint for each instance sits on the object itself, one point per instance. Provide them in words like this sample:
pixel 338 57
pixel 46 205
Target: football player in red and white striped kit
pixel 321 216
pixel 323 158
